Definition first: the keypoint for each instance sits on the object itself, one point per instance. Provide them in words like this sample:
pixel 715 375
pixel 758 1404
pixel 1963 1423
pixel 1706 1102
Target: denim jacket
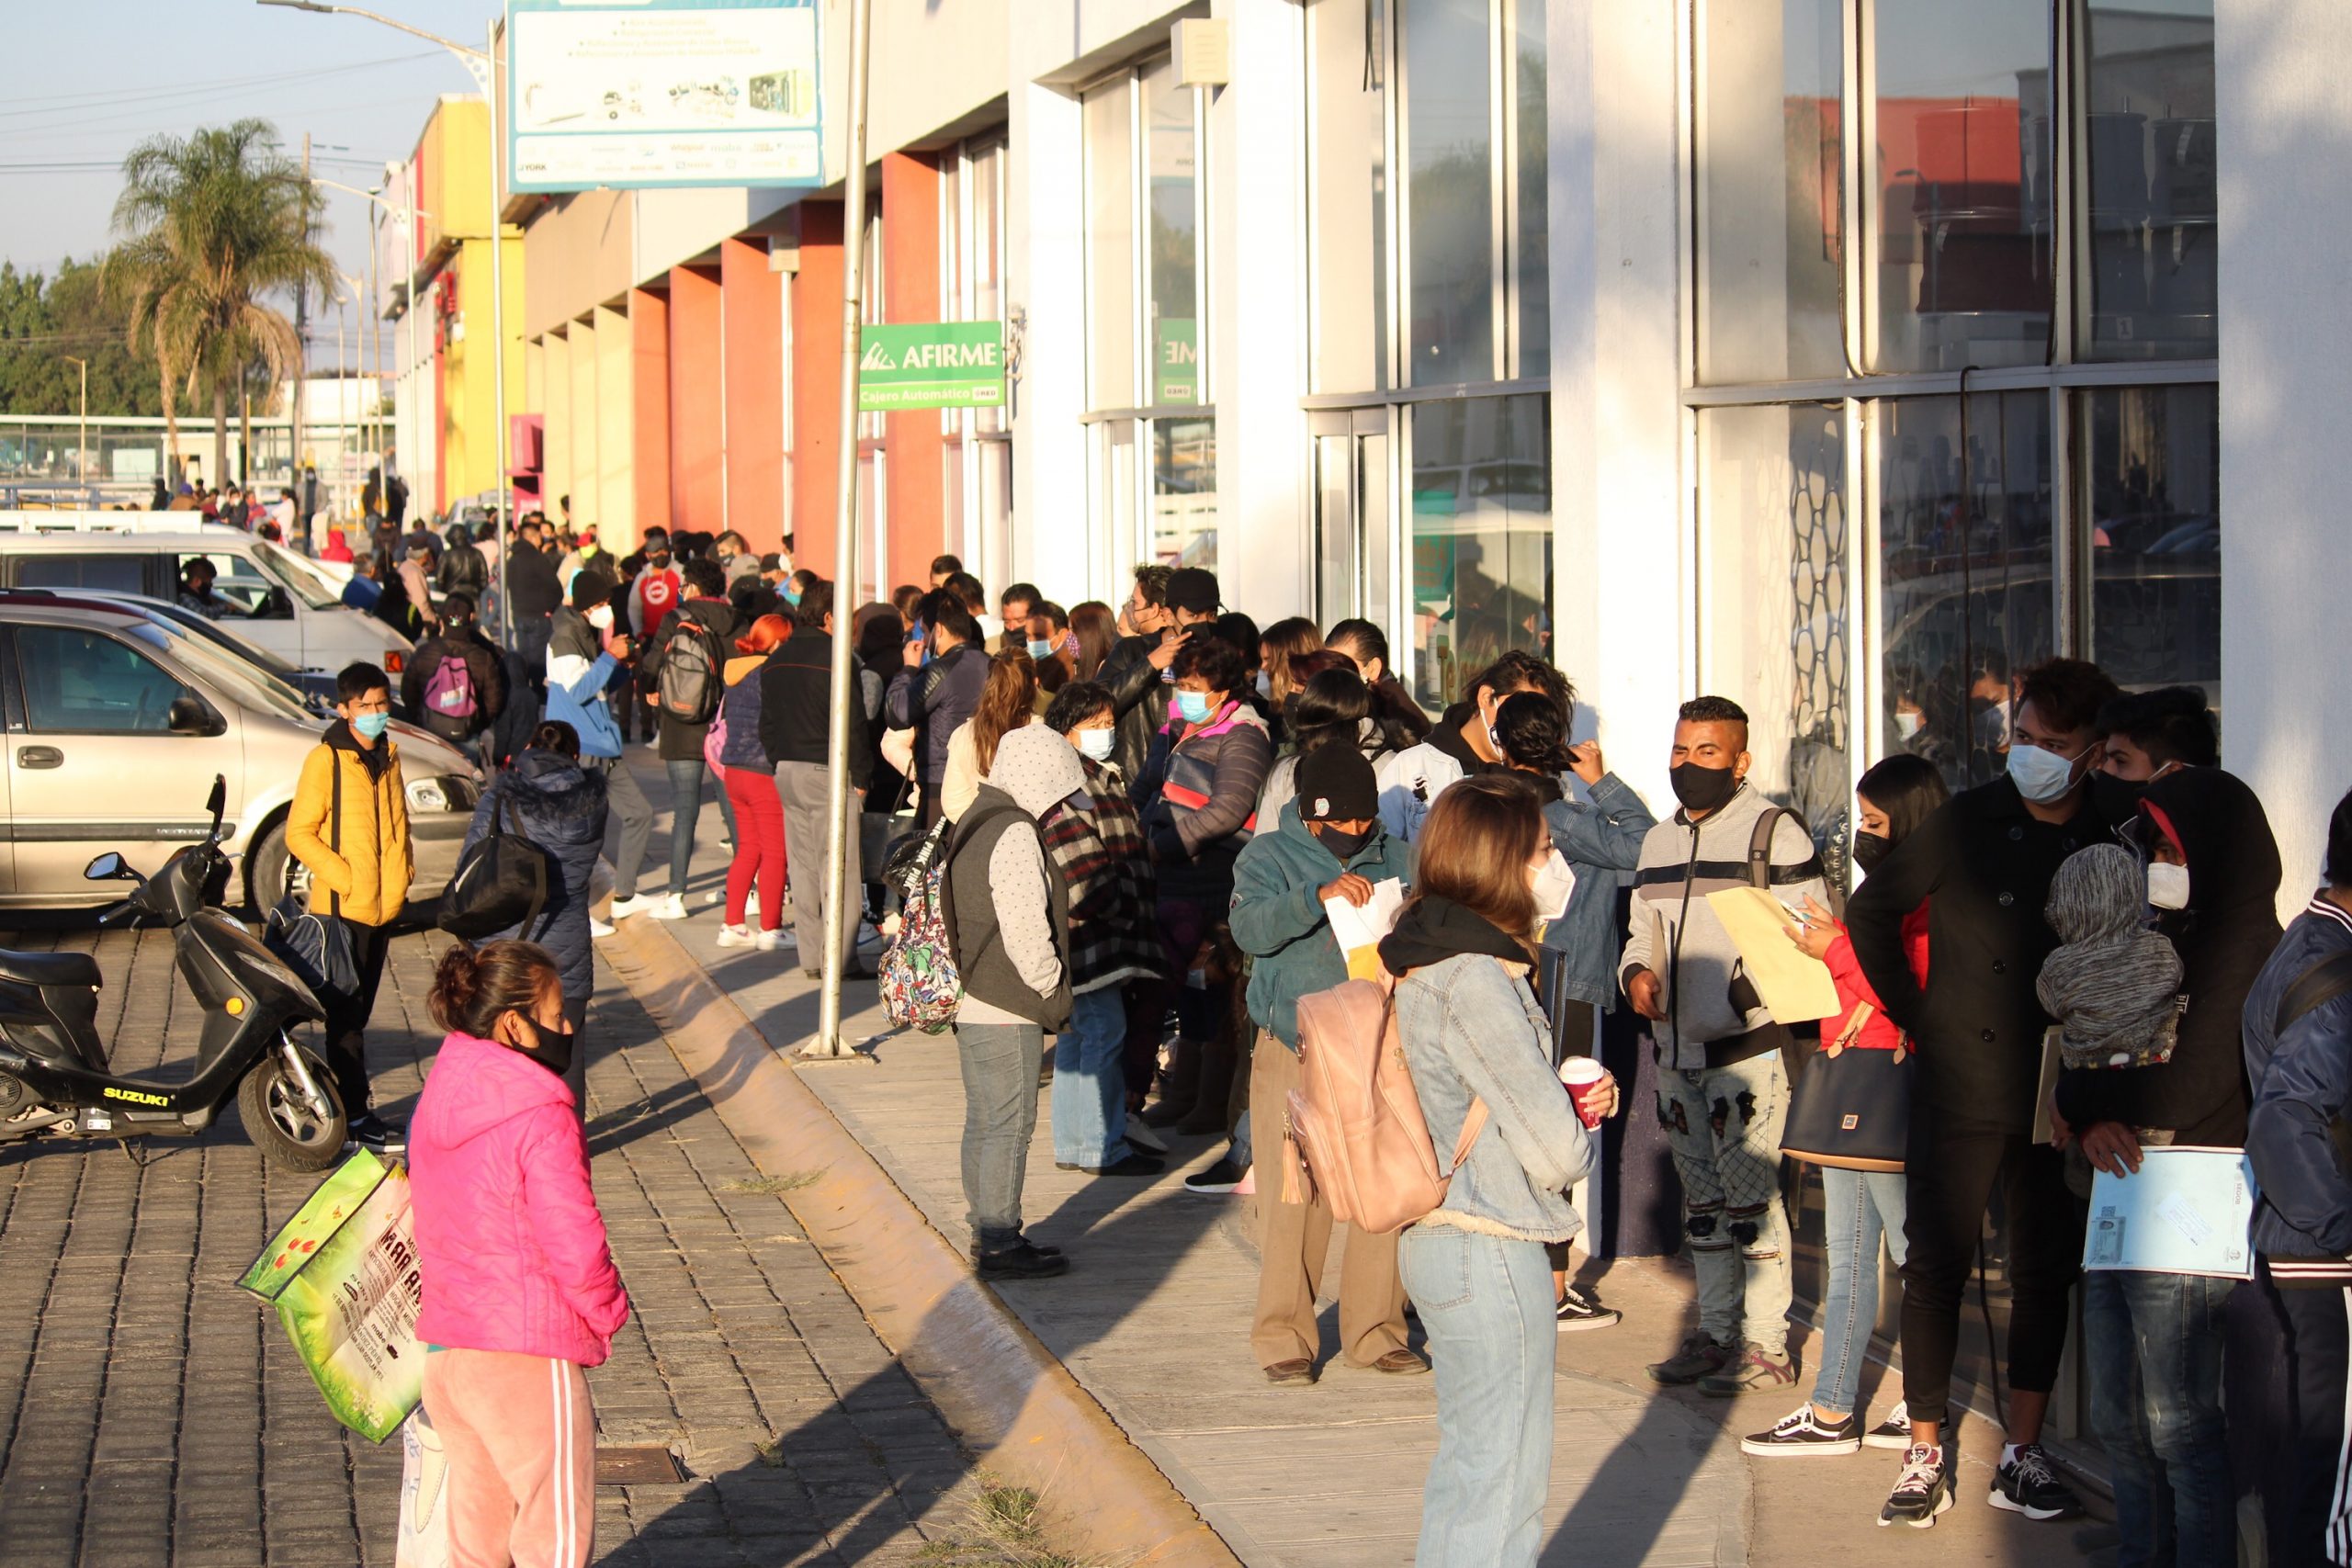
pixel 1601 843
pixel 1470 1027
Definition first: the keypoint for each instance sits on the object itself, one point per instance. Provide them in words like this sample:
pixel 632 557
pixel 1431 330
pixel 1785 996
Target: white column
pixel 1045 277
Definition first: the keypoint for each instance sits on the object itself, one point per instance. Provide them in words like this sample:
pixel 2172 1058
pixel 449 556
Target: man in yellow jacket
pixel 360 864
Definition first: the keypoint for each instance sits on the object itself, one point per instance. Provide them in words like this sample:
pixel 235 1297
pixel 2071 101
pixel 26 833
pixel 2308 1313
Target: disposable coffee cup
pixel 1582 1075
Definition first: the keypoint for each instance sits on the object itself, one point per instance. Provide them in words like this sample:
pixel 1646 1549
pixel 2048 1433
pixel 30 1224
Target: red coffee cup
pixel 1583 1076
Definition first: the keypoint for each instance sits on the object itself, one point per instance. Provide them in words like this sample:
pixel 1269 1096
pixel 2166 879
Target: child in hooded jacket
pixel 520 1291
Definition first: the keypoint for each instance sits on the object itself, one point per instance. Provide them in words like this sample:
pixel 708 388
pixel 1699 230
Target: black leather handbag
pixel 317 947
pixel 1852 1108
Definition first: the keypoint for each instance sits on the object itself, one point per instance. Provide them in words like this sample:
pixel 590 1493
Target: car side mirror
pixel 190 715
pixel 278 606
pixel 108 867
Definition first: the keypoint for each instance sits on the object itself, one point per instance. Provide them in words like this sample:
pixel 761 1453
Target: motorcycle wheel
pixel 282 1126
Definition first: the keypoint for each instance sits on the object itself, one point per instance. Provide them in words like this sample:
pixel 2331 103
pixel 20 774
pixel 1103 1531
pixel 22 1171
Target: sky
pixel 97 76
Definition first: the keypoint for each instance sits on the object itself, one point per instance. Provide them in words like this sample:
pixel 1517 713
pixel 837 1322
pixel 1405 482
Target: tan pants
pixel 521 1440
pixel 1294 1237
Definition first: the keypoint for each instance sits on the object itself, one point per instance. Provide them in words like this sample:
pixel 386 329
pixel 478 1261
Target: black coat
pixel 2224 938
pixel 1983 864
pixel 797 707
pixel 1141 696
pixel 560 806
pixel 531 583
pixel 932 702
pixel 681 742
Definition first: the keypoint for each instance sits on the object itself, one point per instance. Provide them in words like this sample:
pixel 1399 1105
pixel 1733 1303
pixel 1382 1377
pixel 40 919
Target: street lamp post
pixel 481 64
pixel 403 218
pixel 82 464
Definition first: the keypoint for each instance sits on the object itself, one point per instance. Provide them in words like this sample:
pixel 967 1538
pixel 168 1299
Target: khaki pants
pixel 1294 1237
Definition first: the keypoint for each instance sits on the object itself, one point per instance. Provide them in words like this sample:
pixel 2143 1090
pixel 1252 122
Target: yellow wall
pixel 455 150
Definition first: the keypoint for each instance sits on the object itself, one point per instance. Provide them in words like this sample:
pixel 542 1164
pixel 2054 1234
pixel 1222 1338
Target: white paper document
pixel 2188 1211
pixel 1359 930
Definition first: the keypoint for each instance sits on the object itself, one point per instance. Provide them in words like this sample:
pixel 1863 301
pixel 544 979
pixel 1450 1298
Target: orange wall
pixel 698 456
pixel 815 384
pixel 753 323
pixel 911 293
pixel 649 326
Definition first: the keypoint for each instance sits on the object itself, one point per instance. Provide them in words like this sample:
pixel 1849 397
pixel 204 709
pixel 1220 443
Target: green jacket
pixel 1278 916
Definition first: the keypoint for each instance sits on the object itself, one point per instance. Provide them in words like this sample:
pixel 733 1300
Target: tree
pixel 44 318
pixel 212 224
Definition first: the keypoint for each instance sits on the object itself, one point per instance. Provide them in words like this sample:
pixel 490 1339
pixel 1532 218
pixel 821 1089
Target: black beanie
pixel 1335 783
pixel 2340 844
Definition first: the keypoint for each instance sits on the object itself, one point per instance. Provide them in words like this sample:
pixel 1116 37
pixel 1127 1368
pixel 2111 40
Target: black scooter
pixel 55 1080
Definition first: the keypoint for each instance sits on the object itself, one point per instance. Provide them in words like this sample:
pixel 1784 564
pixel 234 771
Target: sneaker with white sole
pixel 1142 1137
pixel 1578 1309
pixel 1921 1492
pixel 1701 1356
pixel 734 936
pixel 714 896
pixel 634 904
pixel 669 907
pixel 1894 1432
pixel 768 942
pixel 598 928
pixel 1805 1432
pixel 1217 1180
pixel 2027 1483
pixel 1754 1371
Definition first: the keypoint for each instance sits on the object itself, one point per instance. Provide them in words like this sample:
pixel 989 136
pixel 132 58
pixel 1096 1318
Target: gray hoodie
pixel 1036 767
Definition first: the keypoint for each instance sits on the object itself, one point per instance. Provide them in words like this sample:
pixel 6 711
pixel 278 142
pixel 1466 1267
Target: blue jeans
pixel 1859 1206
pixel 2151 1344
pixel 686 816
pixel 1089 1105
pixel 1000 1063
pixel 1486 1304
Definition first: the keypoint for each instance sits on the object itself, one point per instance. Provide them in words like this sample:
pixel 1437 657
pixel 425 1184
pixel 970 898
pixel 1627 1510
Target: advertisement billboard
pixel 630 94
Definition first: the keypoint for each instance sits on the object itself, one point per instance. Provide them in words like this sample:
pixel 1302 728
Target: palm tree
pixel 212 224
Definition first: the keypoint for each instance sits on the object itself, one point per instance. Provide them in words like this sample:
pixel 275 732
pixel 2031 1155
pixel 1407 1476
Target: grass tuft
pixel 999 1529
pixel 790 1181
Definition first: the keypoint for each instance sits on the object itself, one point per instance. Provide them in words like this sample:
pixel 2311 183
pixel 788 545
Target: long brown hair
pixel 1007 701
pixel 1283 642
pixel 1096 625
pixel 1475 848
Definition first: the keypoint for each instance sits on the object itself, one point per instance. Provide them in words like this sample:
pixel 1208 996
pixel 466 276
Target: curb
pixel 1010 1400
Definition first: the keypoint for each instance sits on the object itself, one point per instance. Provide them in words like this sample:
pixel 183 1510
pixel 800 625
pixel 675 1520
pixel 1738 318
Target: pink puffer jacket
pixel 512 1245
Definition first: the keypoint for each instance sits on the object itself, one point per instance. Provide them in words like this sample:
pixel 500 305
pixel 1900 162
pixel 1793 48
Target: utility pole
pixel 301 357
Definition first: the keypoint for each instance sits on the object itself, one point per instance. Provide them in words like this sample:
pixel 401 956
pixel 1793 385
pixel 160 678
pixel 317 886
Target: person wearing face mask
pixel 2152 1342
pixel 520 1294
pixel 1722 1082
pixel 1984 863
pixel 1162 612
pixel 584 662
pixel 936 690
pixel 348 826
pixel 1859 1207
pixel 1051 649
pixel 658 587
pixel 1329 845
pixel 1393 706
pixel 2146 735
pixel 1013 607
pixel 1462 743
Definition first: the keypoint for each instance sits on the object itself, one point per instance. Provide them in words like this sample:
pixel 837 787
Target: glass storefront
pixel 1481 544
pixel 2154 218
pixel 2156 540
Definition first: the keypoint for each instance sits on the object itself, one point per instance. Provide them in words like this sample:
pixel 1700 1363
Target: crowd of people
pixel 1144 818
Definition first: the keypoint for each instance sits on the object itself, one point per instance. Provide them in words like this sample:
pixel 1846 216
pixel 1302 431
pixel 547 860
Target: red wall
pixel 911 283
pixel 697 484
pixel 816 384
pixel 649 330
pixel 753 320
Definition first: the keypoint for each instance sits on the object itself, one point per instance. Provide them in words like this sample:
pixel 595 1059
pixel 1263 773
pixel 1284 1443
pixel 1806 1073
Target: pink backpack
pixel 1356 1120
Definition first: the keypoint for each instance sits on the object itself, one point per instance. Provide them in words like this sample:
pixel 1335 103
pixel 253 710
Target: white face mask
pixel 601 617
pixel 1906 724
pixel 2042 776
pixel 2168 886
pixel 1095 745
pixel 1265 685
pixel 1554 883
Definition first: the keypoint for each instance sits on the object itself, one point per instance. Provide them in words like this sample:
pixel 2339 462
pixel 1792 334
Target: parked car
pixel 111 709
pixel 314 688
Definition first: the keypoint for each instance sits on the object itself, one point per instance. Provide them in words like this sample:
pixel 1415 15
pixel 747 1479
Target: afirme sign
pixel 930 365
pixel 629 93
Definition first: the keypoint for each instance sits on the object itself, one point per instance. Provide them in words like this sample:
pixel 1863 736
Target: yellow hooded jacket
pixel 370 875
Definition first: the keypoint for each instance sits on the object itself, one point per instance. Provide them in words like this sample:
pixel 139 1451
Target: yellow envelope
pixel 1796 987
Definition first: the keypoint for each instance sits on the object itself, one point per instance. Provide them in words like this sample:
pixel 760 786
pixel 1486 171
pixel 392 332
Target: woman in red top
pixel 1860 1206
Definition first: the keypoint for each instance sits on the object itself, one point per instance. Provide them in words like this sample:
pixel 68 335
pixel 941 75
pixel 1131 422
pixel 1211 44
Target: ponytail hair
pixel 1008 701
pixel 554 735
pixel 474 987
pixel 766 634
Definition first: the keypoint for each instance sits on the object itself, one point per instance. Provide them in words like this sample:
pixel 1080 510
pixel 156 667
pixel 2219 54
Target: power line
pixel 60 104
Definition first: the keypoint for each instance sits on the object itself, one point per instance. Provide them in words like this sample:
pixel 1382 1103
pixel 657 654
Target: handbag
pixel 317 947
pixel 879 833
pixel 1852 1108
pixel 501 884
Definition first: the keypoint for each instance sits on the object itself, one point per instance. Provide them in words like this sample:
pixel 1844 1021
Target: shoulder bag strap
pixel 334 824
pixel 2314 988
pixel 1760 847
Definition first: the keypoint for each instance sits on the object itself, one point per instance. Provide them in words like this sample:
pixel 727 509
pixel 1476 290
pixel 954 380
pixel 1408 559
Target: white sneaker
pixel 1143 1138
pixel 634 904
pixel 598 928
pixel 734 936
pixel 670 907
pixel 714 896
pixel 768 942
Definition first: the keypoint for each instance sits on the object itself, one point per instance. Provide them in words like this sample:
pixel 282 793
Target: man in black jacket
pixel 795 720
pixel 933 697
pixel 534 590
pixel 705 607
pixel 466 709
pixel 1984 863
pixel 1163 611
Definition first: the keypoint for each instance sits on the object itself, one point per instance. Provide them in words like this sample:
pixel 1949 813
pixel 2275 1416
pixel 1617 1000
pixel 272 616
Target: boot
pixel 1214 1088
pixel 1179 1086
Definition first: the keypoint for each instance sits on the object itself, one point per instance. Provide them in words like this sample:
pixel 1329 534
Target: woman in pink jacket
pixel 520 1291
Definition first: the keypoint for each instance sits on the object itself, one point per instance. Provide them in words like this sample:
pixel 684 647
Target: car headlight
pixel 444 791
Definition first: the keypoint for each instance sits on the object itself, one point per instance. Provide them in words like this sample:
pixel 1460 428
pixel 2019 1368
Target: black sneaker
pixel 371 1132
pixel 1221 1177
pixel 1699 1357
pixel 2029 1484
pixel 1805 1433
pixel 1923 1491
pixel 1578 1309
pixel 1022 1262
pixel 1894 1432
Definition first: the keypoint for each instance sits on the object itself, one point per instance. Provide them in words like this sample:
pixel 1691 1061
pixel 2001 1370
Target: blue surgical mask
pixel 1040 651
pixel 1095 745
pixel 792 597
pixel 1193 707
pixel 372 725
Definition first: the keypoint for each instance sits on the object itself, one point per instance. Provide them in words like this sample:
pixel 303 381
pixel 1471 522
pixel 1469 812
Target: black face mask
pixel 1347 846
pixel 553 1050
pixel 1870 850
pixel 1702 789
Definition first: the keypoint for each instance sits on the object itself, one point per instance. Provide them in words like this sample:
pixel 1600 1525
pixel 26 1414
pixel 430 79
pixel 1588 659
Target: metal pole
pixel 342 399
pixel 414 434
pixel 82 469
pixel 498 337
pixel 828 1039
pixel 301 362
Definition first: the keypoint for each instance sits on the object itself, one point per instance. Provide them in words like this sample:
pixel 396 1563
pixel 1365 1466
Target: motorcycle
pixel 55 1080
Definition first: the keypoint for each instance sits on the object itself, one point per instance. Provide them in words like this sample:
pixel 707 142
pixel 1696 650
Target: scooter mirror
pixel 108 867
pixel 218 800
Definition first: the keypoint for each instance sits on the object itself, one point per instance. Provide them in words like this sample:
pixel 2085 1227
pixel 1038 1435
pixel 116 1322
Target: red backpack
pixel 1356 1120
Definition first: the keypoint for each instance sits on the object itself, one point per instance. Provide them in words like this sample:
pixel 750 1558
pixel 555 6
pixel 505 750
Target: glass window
pixel 1174 257
pixel 1965 556
pixel 1771 190
pixel 1776 636
pixel 85 683
pixel 987 261
pixel 1960 176
pixel 1448 133
pixel 1348 173
pixel 113 573
pixel 1481 537
pixel 1183 492
pixel 236 580
pixel 1531 238
pixel 1110 248
pixel 2153 215
pixel 2156 536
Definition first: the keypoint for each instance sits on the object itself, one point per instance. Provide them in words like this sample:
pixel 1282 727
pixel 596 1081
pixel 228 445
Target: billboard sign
pixel 634 94
pixel 930 365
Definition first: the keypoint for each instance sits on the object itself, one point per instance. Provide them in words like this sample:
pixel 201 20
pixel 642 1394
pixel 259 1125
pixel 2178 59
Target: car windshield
pixel 249 685
pixel 299 577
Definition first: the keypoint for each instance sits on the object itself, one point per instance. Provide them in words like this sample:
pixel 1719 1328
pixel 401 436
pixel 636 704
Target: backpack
pixel 501 883
pixel 450 700
pixel 1355 1119
pixel 691 684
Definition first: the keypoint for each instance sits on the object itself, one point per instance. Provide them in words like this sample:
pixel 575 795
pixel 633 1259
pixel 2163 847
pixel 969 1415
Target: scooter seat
pixel 49 968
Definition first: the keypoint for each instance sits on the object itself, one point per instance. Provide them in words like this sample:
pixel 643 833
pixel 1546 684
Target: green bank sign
pixel 930 365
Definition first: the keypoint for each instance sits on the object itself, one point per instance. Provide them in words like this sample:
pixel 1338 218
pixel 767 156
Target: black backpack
pixel 502 882
pixel 690 685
